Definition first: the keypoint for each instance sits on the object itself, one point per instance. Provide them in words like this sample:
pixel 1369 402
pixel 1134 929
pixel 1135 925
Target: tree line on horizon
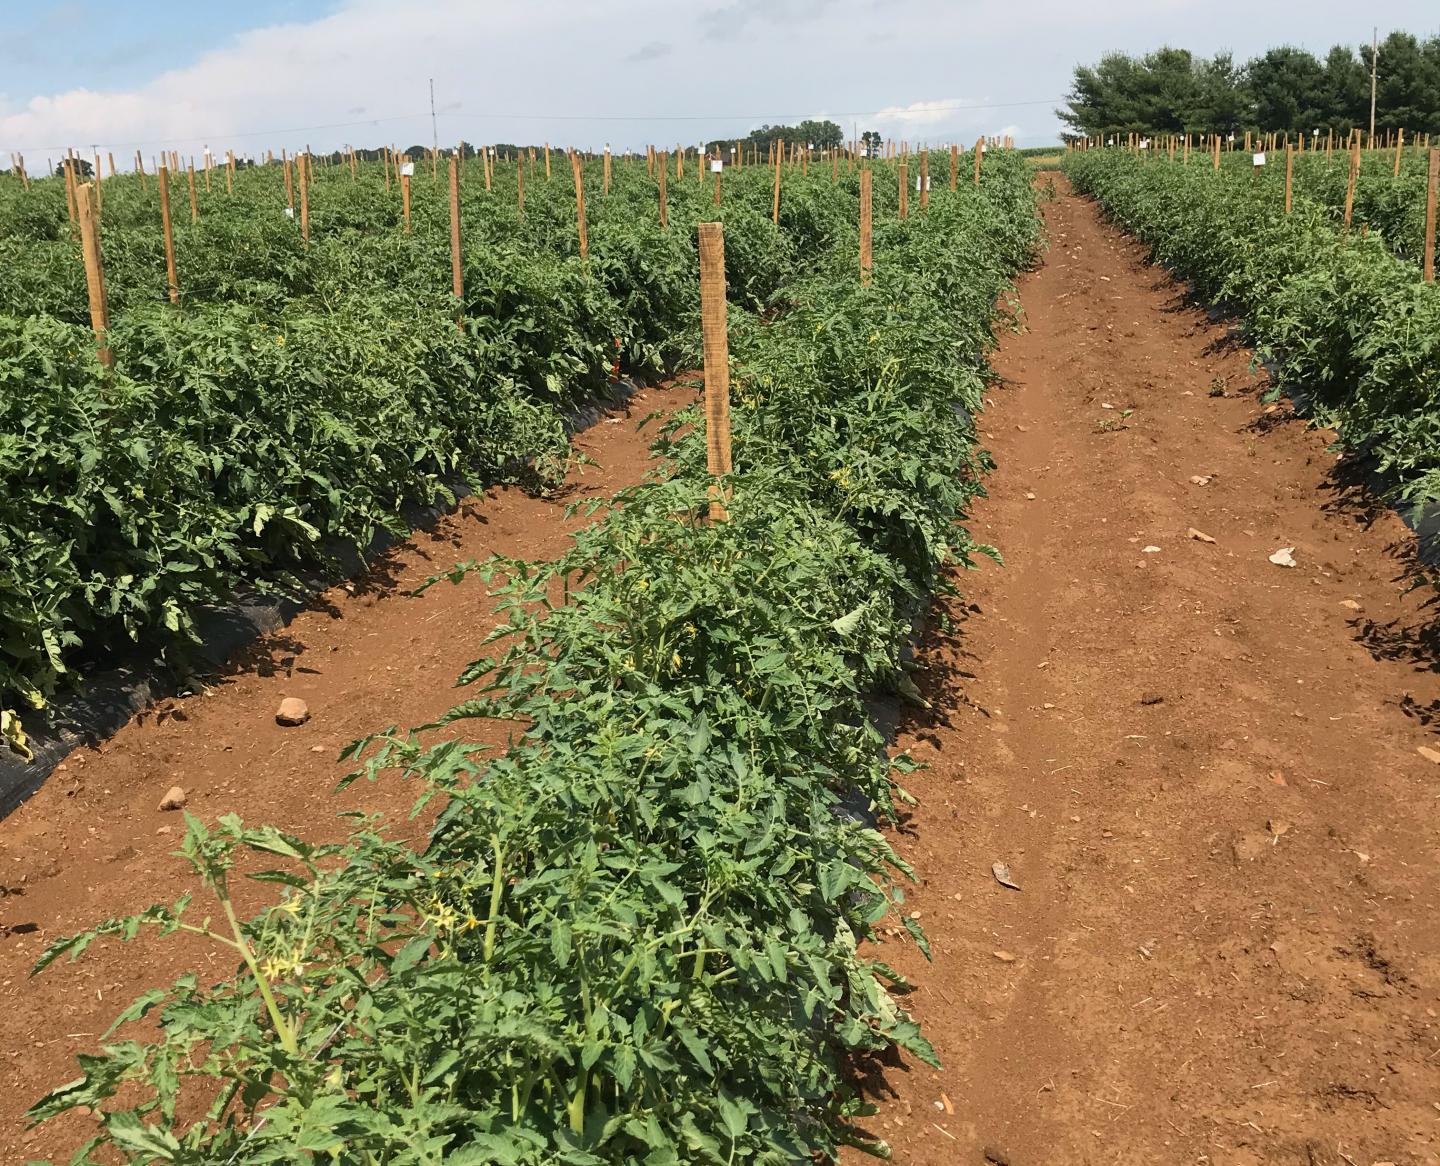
pixel 1286 89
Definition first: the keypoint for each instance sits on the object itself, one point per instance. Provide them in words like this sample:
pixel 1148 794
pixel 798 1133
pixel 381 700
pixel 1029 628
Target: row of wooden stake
pixel 85 200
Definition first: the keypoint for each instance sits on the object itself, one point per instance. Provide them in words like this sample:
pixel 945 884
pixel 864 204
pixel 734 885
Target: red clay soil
pixel 1200 767
pixel 92 843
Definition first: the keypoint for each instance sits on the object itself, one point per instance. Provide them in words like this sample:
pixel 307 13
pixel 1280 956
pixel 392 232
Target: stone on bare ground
pixel 292 711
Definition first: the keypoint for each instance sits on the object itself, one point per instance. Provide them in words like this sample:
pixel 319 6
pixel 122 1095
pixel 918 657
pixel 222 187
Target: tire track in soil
pixel 91 843
pixel 1199 766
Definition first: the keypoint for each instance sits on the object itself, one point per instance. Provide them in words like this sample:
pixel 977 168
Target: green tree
pixel 1287 89
pixel 872 141
pixel 1408 84
pixel 1346 100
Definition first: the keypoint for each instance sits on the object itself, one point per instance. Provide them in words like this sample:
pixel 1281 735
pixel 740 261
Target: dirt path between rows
pixel 92 843
pixel 1201 768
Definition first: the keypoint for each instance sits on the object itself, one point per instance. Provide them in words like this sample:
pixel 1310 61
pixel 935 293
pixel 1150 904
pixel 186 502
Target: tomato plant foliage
pixel 633 935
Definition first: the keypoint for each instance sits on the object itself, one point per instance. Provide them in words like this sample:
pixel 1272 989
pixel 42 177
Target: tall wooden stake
pixel 904 171
pixel 1289 174
pixel 70 202
pixel 579 173
pixel 715 329
pixel 520 185
pixel 979 155
pixel 954 167
pixel 865 226
pixel 1350 182
pixel 405 190
pixel 775 205
pixel 163 175
pixel 304 162
pixel 1430 189
pixel 457 271
pixel 94 272
pixel 664 202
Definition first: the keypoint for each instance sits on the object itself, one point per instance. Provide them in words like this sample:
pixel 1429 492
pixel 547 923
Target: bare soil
pixel 367 655
pixel 1200 767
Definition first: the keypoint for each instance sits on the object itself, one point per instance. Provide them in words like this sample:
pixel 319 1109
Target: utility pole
pixel 1374 58
pixel 435 132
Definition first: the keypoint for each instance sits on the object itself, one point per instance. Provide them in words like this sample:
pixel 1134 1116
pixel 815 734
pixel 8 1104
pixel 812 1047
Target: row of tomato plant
pixel 632 935
pixel 1384 202
pixel 1336 315
pixel 302 397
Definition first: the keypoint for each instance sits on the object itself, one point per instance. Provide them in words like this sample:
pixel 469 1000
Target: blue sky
pixel 273 74
pixel 63 44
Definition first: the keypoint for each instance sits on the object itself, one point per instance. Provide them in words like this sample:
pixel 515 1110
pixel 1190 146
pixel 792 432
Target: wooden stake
pixel 717 187
pixel 954 167
pixel 664 204
pixel 775 205
pixel 304 161
pixel 1289 174
pixel 865 226
pixel 715 329
pixel 457 271
pixel 520 186
pixel 1430 189
pixel 580 204
pixel 979 154
pixel 1399 147
pixel 110 154
pixel 607 169
pixel 405 191
pixel 229 171
pixel 70 207
pixel 1350 182
pixel 547 161
pixel 904 191
pixel 94 272
pixel 162 175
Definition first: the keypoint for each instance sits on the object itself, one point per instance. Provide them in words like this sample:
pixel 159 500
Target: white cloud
pixel 638 71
